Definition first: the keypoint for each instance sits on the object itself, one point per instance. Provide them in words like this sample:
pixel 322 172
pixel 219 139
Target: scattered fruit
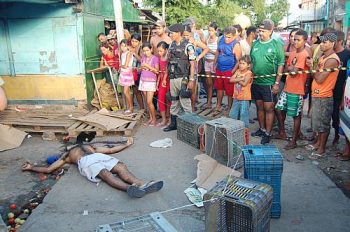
pixel 11 221
pixel 26 211
pixel 10 215
pixel 13 206
pixel 17 220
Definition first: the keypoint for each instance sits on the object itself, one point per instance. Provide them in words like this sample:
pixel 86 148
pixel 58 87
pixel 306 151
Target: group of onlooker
pixel 245 65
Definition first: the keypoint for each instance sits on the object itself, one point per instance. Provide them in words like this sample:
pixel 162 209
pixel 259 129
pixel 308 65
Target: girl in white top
pixel 126 78
pixel 212 44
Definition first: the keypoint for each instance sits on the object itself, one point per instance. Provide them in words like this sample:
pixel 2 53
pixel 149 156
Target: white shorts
pixel 148 86
pixel 91 165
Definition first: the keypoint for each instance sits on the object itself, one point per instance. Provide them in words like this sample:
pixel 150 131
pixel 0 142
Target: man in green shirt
pixel 267 59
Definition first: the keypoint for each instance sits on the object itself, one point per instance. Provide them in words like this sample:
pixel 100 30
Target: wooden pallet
pixel 40 120
pixel 210 113
pixel 126 130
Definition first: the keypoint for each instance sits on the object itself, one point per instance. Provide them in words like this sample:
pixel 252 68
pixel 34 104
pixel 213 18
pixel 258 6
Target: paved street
pixel 310 201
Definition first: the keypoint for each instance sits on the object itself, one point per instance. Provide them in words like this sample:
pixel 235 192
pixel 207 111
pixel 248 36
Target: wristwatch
pixel 277 83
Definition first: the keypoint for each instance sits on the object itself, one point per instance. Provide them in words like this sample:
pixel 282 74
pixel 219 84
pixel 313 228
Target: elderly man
pixel 95 165
pixel 267 59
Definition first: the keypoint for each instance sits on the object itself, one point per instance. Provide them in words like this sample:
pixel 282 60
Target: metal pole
pixel 163 9
pixel 118 16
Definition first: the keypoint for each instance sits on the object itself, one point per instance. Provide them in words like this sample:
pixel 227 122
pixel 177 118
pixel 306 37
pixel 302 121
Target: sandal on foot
pixel 343 158
pixel 316 156
pixel 152 186
pixel 127 112
pixel 290 146
pixel 310 147
pixel 277 136
pixel 135 191
pixel 339 153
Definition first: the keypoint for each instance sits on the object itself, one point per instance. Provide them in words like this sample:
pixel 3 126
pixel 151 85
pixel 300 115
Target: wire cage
pixel 238 205
pixel 188 129
pixel 223 139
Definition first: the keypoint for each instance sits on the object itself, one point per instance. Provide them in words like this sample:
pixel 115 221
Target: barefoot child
pixel 126 78
pixel 148 79
pixel 163 81
pixel 242 80
pixel 291 100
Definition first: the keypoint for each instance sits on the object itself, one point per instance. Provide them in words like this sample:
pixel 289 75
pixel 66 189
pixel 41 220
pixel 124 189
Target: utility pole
pixel 163 9
pixel 118 17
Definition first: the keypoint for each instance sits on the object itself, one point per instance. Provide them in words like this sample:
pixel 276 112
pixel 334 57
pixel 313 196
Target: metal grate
pixel 153 222
pixel 244 206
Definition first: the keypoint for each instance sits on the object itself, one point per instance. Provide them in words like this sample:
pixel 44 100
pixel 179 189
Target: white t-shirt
pixel 245 47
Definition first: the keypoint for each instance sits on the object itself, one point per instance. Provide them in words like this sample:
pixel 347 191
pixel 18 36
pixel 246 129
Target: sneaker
pixel 265 139
pixel 258 133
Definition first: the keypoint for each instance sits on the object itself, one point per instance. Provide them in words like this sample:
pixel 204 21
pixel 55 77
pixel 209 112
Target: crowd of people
pixel 246 65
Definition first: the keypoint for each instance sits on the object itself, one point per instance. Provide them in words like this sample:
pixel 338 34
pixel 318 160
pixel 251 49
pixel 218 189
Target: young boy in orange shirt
pixel 291 100
pixel 242 80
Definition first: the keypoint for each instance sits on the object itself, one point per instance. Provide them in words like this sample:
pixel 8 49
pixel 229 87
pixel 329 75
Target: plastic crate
pixel 241 205
pixel 153 222
pixel 223 139
pixel 187 129
pixel 265 164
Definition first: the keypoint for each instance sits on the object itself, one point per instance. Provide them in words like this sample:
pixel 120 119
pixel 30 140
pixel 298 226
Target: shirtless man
pixel 161 35
pixel 95 165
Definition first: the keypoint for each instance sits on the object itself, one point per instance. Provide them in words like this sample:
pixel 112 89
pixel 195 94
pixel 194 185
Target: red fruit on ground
pixel 11 221
pixel 13 206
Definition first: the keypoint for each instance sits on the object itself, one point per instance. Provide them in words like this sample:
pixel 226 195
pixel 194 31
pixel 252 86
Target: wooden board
pixel 40 120
pixel 125 130
pixel 210 113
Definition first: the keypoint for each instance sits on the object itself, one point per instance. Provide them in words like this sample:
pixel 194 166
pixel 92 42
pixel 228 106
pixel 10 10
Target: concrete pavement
pixel 310 201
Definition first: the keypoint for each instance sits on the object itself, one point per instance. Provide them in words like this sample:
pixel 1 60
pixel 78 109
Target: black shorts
pixel 335 114
pixel 264 93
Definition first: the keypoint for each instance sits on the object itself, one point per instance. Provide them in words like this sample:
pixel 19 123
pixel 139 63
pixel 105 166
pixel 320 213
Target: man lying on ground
pixel 95 165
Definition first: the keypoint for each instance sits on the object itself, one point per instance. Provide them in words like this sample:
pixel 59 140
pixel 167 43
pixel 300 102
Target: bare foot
pixel 162 123
pixel 130 141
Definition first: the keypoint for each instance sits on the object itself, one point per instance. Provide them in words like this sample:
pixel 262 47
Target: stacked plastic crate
pixel 223 139
pixel 237 204
pixel 265 164
pixel 188 129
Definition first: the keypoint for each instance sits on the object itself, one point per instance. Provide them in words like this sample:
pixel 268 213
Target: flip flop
pixel 343 158
pixel 277 136
pixel 289 147
pixel 310 147
pixel 135 191
pixel 152 186
pixel 339 153
pixel 316 156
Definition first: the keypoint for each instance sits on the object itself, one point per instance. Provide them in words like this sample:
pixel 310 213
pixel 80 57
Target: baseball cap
pixel 161 23
pixel 267 24
pixel 178 27
pixel 328 36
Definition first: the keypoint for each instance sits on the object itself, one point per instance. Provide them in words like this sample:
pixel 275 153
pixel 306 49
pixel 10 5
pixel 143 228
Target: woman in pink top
pixel 148 79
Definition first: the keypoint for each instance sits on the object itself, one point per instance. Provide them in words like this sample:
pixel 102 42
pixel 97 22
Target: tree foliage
pixel 222 11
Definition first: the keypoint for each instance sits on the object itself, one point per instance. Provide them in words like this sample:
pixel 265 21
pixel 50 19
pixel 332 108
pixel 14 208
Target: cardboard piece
pixel 10 137
pixel 209 171
pixel 104 122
